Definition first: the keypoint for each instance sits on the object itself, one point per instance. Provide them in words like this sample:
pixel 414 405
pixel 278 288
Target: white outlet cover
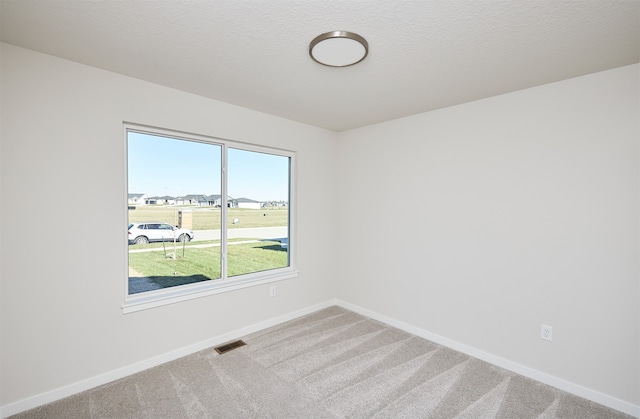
pixel 546 332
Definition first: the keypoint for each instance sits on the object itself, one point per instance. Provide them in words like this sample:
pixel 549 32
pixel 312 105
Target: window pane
pixel 174 222
pixel 258 215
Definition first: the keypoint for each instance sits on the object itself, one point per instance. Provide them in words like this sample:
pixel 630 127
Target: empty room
pixel 295 209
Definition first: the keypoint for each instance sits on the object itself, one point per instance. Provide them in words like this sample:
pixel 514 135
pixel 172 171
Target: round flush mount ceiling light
pixel 338 48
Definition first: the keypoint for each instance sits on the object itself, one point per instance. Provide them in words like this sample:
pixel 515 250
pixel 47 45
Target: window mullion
pixel 224 207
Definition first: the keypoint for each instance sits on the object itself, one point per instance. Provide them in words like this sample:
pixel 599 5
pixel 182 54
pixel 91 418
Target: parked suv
pixel 141 233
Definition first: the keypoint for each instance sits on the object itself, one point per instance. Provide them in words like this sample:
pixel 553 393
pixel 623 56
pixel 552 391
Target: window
pixel 205 215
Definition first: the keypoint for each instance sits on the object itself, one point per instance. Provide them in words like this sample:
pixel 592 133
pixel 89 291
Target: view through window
pixel 183 230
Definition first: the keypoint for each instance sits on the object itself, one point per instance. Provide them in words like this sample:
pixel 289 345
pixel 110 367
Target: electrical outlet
pixel 272 291
pixel 546 332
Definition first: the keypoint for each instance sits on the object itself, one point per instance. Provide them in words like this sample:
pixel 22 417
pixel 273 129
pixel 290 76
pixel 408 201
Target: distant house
pixel 200 200
pixel 136 199
pixel 274 204
pixel 216 200
pixel 193 199
pixel 161 200
pixel 246 203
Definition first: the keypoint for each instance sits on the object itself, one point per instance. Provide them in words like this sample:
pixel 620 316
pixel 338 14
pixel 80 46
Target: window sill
pixel 159 298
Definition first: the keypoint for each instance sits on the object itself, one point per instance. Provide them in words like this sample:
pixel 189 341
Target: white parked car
pixel 141 233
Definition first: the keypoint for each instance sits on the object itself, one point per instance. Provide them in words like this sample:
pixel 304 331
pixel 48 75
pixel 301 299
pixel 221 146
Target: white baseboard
pixel 71 389
pixel 523 370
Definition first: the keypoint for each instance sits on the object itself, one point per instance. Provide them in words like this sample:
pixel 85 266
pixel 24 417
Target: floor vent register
pixel 223 349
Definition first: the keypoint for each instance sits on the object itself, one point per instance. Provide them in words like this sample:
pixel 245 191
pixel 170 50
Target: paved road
pixel 243 233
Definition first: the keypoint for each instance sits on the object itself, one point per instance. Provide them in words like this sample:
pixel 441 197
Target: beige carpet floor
pixel 330 364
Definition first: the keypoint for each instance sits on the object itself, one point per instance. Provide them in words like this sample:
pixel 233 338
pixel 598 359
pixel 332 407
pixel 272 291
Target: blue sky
pixel 159 166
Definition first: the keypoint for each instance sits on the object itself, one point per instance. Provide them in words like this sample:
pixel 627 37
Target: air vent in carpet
pixel 229 346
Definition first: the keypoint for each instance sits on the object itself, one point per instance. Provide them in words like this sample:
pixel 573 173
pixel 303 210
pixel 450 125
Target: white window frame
pixel 150 299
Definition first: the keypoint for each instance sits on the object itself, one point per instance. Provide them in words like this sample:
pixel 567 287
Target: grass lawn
pixel 199 264
pixel 205 218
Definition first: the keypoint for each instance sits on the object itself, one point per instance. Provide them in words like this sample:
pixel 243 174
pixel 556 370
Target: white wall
pixel 62 265
pixel 503 214
pixel 520 209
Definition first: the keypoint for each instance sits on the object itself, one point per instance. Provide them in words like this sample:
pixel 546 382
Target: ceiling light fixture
pixel 338 49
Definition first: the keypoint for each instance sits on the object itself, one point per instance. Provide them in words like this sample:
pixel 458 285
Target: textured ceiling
pixel 423 55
